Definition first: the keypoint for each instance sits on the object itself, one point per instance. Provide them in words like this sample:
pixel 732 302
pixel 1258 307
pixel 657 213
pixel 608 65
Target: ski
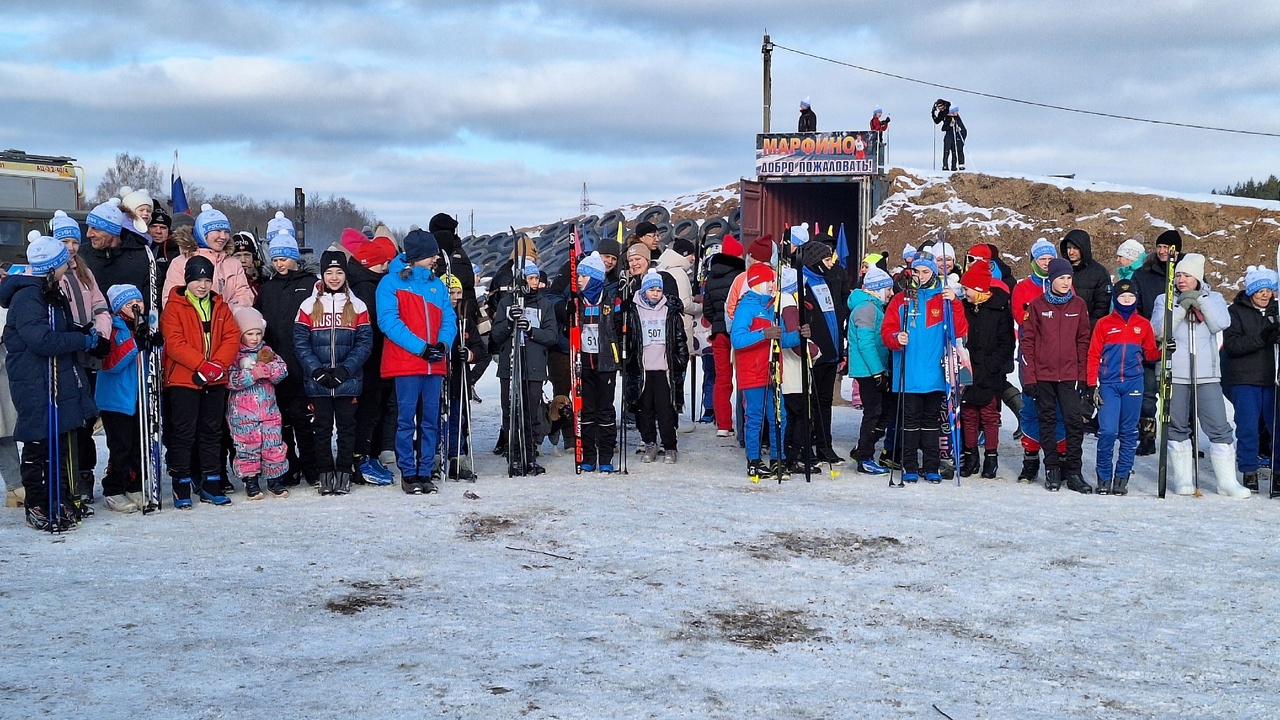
pixel 951 368
pixel 1273 492
pixel 575 352
pixel 517 460
pixel 1166 377
pixel 775 357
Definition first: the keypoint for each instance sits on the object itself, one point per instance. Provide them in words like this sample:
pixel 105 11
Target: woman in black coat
pixel 1249 367
pixel 987 307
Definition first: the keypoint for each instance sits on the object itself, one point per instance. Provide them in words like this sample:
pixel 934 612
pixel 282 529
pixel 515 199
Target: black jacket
pixel 1152 280
pixel 1248 344
pixel 808 121
pixel 715 290
pixel 278 301
pixel 990 343
pixel 364 285
pixel 1092 282
pixel 541 335
pixel 456 261
pixel 677 342
pixel 128 264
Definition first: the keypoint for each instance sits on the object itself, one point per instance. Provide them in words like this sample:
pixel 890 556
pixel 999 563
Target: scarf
pixel 1055 299
pixel 1126 272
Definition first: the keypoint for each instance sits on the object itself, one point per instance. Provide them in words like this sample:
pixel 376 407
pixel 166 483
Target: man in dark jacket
pixel 808 119
pixel 118 255
pixel 456 262
pixel 530 312
pixel 1152 280
pixel 1092 281
pixel 824 308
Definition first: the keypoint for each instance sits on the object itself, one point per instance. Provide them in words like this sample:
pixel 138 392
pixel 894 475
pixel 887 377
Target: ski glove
pixel 1095 397
pixel 330 380
pixel 340 374
pixel 1030 390
pixel 515 312
pixel 882 382
pixel 435 352
pixel 1190 299
pixel 318 374
pixel 1171 346
pixel 91 341
pixel 208 372
pixel 102 349
pixel 1269 333
pixel 523 324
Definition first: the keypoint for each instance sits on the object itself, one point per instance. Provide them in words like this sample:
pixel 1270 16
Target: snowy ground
pixel 668 592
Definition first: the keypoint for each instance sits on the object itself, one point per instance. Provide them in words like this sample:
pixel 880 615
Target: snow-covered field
pixel 668 592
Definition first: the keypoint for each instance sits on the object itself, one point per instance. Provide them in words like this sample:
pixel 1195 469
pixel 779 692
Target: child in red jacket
pixel 1055 347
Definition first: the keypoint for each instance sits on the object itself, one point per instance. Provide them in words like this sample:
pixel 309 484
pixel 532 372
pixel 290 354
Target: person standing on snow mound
pixel 954 134
pixel 1199 309
pixel 1249 367
pixel 808 119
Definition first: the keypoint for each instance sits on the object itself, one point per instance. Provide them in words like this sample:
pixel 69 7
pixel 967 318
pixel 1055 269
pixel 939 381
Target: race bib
pixel 534 315
pixel 591 339
pixel 655 331
pixel 822 294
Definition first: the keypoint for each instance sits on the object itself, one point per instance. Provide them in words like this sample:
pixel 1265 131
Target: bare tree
pixel 135 172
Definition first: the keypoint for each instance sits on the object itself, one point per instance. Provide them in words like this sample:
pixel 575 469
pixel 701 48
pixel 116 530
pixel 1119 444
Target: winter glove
pixel 882 382
pixel 208 372
pixel 435 352
pixel 153 340
pixel 318 374
pixel 330 380
pixel 91 340
pixel 1190 299
pixel 1269 333
pixel 1171 345
pixel 341 374
pixel 523 324
pixel 1097 398
pixel 102 349
pixel 265 355
pixel 515 312
pixel 1029 389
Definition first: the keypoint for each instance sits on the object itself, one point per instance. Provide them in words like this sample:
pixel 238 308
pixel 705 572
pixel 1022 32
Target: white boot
pixel 1223 456
pixel 1179 469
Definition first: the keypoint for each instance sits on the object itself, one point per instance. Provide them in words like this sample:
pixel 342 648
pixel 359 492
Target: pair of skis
pixel 149 409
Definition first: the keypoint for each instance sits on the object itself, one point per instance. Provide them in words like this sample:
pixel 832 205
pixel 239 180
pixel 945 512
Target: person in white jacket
pixel 1199 316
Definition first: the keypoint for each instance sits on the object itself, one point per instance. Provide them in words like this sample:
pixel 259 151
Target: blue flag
pixel 179 195
pixel 842 249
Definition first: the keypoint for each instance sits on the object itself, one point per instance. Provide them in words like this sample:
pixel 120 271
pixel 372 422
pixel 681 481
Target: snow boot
pixel 341 482
pixel 276 487
pixel 411 484
pixel 969 462
pixel 670 457
pixel 327 482
pixel 990 464
pixel 428 487
pixel 1223 458
pixel 1180 480
pixel 211 491
pixel 649 452
pixel 1251 481
pixel 1030 467
pixel 1120 485
pixel 946 470
pixel 1146 437
pixel 459 470
pixel 182 493
pixel 1104 485
pixel 1077 483
pixel 870 467
pixel 15 497
pixel 120 503
pixel 252 490
pixel 1052 479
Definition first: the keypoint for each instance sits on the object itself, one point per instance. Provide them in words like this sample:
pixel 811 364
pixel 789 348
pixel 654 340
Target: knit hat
pixel 876 279
pixel 442 221
pixel 761 249
pixel 790 280
pixel 106 217
pixel 244 241
pixel 249 319
pixel 420 245
pixel 1059 267
pixel 684 247
pixel 924 259
pixel 333 258
pixel 1191 264
pixel 800 234
pixel 645 228
pixel 524 245
pixel 592 266
pixel 872 259
pixel 44 254
pixel 651 279
pixel 375 252
pixel 640 249
pixel 64 228
pixel 121 295
pixel 1171 238
pixel 944 249
pixel 531 268
pixel 729 245
pixel 1042 247
pixel 284 246
pixel 198 268
pixel 955 110
pixel 1130 250
pixel 981 250
pixel 452 282
pixel 758 274
pixel 352 239
pixel 1121 287
pixel 978 277
pixel 210 220
pixel 804 103
pixel 877 111
pixel 1260 277
pixel 609 246
pixel 278 225
pixel 131 199
pixel 160 217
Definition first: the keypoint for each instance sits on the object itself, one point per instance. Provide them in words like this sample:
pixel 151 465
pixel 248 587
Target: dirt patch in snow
pixel 842 547
pixel 367 594
pixel 474 527
pixel 758 628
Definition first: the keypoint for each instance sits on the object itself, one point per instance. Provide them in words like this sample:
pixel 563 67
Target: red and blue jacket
pixel 751 349
pixel 413 312
pixel 1119 347
pixel 117 388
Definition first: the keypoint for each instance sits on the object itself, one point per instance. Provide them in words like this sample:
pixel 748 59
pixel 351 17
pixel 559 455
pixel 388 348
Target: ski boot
pixel 800 467
pixel 606 467
pixel 211 491
pixel 910 477
pixel 779 471
pixel 934 478
pixel 411 484
pixel 830 457
pixel 756 469
pixel 870 467
pixel 1105 485
pixel 252 490
pixel 460 469
pixel 990 463
pixel 969 462
pixel 428 487
pixel 182 493
pixel 1077 483
pixel 890 460
pixel 1120 485
pixel 1030 467
pixel 1250 481
pixel 587 467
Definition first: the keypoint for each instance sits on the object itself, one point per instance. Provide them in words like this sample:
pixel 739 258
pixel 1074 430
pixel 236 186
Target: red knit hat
pixel 375 252
pixel 981 250
pixel 353 239
pixel 762 249
pixel 759 273
pixel 978 277
pixel 730 246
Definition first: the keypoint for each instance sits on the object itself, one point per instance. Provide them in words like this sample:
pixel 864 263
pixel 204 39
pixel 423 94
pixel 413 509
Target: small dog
pixel 560 420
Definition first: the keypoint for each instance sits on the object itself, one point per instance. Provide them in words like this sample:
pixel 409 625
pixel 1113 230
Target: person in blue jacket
pixel 755 328
pixel 869 365
pixel 40 339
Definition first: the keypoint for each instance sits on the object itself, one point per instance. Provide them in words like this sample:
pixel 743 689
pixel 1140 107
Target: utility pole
pixel 767 51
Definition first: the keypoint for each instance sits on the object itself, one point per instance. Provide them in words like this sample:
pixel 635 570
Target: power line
pixel 1026 102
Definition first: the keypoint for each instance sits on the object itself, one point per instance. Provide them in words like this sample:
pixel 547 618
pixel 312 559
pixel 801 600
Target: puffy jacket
pixel 128 264
pixel 253 413
pixel 229 280
pixel 1247 357
pixel 676 266
pixel 278 300
pixel 922 318
pixel 332 343
pixel 1216 319
pixel 868 356
pixel 117 386
pixel 1028 289
pixel 1055 342
pixel 88 307
pixel 1092 282
pixel 184 342
pixel 606 317
pixel 677 345
pixel 991 346
pixel 1152 280
pixel 413 311
pixel 755 312
pixel 724 269
pixel 1119 348
pixel 30 343
pixel 542 334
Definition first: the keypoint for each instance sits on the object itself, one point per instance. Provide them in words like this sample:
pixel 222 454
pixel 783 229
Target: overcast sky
pixel 412 108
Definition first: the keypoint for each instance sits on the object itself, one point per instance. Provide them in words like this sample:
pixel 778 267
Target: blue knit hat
pixel 876 279
pixel 799 234
pixel 64 228
pixel 592 266
pixel 420 245
pixel 790 280
pixel 44 254
pixel 1042 247
pixel 531 268
pixel 209 220
pixel 284 246
pixel 924 259
pixel 107 217
pixel 1259 278
pixel 651 280
pixel 120 295
pixel 279 225
pixel 955 109
pixel 804 103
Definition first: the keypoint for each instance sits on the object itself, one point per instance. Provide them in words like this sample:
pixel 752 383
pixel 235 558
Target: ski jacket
pixel 868 356
pixel 1028 289
pixel 601 326
pixel 31 342
pixel 1247 357
pixel 8 415
pixel 1152 280
pixel 229 280
pixel 1119 348
pixel 722 272
pixel 413 311
pixel 921 318
pixel 540 310
pixel 793 357
pixel 991 346
pixel 1055 342
pixel 751 349
pixel 1216 319
pixel 676 266
pixel 364 284
pixel 332 342
pixel 878 125
pixel 117 386
pixel 253 413
pixel 808 121
pixel 128 264
pixel 278 301
pixel 659 342
pixel 1092 282
pixel 186 344
pixel 825 313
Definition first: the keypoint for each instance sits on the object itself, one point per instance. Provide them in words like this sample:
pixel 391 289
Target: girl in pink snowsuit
pixel 252 412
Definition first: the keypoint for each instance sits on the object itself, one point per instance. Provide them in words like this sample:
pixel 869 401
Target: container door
pixel 752 204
